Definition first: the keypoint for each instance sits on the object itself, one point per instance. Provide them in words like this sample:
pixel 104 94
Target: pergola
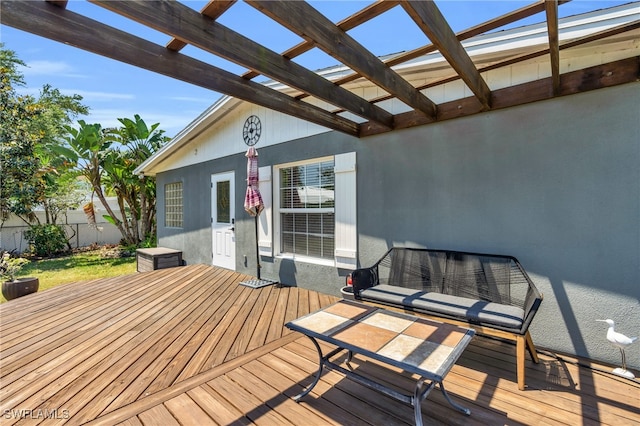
pixel 184 25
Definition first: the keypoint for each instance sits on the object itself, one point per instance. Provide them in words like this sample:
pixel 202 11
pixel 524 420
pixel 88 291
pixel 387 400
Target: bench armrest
pixel 532 303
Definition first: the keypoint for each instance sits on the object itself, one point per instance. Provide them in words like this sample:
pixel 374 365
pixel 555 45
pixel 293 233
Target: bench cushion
pixel 474 311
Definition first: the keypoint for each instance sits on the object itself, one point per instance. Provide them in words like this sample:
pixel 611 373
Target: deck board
pixel 190 345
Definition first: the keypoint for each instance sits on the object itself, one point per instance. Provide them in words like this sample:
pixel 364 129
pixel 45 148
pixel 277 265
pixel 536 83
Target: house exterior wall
pixel 554 183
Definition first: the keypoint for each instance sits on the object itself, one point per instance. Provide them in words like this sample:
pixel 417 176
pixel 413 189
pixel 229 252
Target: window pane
pixel 328 245
pixel 300 223
pixel 314 224
pixel 301 244
pixel 309 234
pixel 315 246
pixel 305 188
pixel 223 206
pixel 287 222
pixel 286 198
pixel 328 224
pixel 173 205
pixel 287 242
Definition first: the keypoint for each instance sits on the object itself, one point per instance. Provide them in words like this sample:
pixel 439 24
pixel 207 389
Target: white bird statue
pixel 621 342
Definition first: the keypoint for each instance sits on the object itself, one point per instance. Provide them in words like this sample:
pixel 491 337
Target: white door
pixel 223 220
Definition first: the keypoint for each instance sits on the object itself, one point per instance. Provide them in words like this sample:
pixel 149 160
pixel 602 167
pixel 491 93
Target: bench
pixel 491 293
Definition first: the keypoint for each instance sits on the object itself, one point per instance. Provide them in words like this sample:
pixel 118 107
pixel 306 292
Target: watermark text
pixel 36 414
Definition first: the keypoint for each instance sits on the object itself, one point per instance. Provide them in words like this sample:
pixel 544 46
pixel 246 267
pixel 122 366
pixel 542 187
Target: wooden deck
pixel 190 346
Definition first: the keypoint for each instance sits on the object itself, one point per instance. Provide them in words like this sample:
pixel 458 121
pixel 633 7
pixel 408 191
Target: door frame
pixel 230 262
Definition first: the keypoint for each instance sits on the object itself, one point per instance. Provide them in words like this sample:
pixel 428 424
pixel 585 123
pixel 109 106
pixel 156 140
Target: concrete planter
pixel 347 293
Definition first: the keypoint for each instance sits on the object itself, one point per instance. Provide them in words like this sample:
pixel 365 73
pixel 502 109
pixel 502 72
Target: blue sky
pixel 112 89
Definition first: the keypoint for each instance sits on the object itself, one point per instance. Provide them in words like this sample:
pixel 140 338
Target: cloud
pixel 43 67
pixel 170 122
pixel 202 100
pixel 87 95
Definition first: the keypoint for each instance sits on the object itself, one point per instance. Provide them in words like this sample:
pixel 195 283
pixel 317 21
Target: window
pixel 173 205
pixel 223 195
pixel 307 209
pixel 314 211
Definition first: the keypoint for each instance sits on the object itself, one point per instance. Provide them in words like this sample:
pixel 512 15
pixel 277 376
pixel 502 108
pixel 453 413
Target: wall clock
pixel 251 130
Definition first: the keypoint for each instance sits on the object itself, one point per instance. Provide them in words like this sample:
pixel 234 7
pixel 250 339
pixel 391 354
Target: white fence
pixel 81 234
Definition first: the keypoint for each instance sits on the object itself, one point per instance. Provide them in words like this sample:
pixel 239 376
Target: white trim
pixel 303 162
pixel 265 220
pixel 306 259
pixel 346 232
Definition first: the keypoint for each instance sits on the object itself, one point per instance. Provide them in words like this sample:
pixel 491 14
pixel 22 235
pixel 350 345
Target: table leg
pixel 419 395
pixel 318 374
pixel 349 356
pixel 455 405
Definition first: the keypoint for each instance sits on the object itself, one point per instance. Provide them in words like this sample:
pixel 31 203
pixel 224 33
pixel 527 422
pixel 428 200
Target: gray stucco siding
pixel 555 184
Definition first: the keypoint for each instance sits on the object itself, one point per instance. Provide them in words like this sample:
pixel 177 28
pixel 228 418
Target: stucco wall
pixel 555 183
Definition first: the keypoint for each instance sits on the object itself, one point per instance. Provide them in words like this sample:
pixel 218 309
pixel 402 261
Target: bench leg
pixel 520 358
pixel 524 343
pixel 531 347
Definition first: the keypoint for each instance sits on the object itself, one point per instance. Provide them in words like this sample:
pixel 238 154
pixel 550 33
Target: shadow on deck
pixel 190 346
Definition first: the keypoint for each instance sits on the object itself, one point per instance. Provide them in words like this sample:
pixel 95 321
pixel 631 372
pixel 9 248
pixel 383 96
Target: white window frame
pixel 278 210
pixel 344 210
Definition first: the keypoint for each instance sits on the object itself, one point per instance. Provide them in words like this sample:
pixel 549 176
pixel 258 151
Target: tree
pixel 17 141
pixel 29 128
pixel 107 158
pixel 88 149
pixel 141 142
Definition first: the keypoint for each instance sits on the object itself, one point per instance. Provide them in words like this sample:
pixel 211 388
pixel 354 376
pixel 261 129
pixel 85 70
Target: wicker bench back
pixel 484 277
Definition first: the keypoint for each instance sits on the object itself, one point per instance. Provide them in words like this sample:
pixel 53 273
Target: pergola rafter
pixel 551 8
pixel 55 23
pixel 428 17
pixel 310 24
pixel 180 21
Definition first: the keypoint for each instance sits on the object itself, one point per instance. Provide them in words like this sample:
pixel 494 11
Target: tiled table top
pixel 419 345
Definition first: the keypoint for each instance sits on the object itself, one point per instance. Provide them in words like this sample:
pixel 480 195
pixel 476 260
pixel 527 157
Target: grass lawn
pixel 77 267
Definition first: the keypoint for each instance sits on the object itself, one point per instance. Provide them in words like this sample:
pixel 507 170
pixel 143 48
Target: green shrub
pixel 46 240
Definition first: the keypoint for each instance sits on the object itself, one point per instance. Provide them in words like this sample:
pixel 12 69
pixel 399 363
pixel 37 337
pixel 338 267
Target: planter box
pixel 20 287
pixel 157 258
pixel 347 293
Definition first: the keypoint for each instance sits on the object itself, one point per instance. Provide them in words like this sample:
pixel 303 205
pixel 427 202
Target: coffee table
pixel 425 347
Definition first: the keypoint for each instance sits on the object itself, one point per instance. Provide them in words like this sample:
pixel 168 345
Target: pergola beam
pixel 606 75
pixel 49 19
pixel 430 20
pixel 55 23
pixel 180 21
pixel 310 24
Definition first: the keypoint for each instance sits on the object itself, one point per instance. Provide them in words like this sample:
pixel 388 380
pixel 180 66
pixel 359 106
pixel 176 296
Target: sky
pixel 114 90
